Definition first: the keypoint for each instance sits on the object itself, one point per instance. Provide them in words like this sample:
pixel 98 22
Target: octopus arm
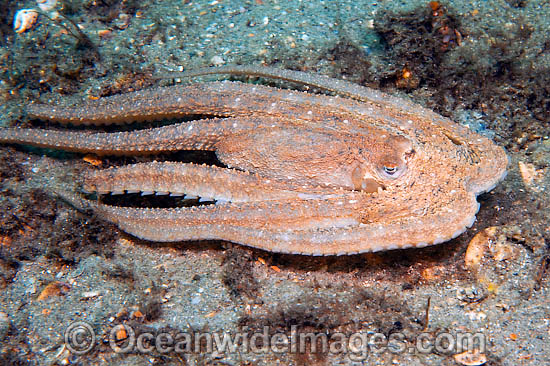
pixel 391 105
pixel 311 227
pixel 222 99
pixel 144 105
pixel 405 232
pixel 211 182
pixel 194 135
pixel 338 86
pixel 218 221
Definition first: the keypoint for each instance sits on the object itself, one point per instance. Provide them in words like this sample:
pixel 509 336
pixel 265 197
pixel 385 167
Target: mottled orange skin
pixel 306 173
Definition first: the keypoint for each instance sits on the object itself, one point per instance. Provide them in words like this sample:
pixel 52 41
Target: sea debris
pixel 55 288
pixel 492 243
pixel 24 20
pixel 471 358
pixel 529 175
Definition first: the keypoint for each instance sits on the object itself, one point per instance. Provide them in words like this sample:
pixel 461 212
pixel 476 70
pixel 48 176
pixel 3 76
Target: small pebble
pixel 46 5
pixel 90 294
pixel 217 60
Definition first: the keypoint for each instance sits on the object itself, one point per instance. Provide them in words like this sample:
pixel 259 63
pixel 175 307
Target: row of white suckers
pixel 171 194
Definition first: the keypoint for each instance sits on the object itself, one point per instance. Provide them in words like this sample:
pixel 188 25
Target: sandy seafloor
pixel 482 63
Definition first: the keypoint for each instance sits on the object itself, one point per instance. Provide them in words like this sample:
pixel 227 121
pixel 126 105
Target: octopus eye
pixel 390 170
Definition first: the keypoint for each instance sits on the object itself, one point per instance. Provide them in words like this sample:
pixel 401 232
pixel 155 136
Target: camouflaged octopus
pixel 304 173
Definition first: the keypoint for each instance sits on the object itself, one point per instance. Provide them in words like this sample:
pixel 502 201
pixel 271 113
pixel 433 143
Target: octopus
pixel 348 171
